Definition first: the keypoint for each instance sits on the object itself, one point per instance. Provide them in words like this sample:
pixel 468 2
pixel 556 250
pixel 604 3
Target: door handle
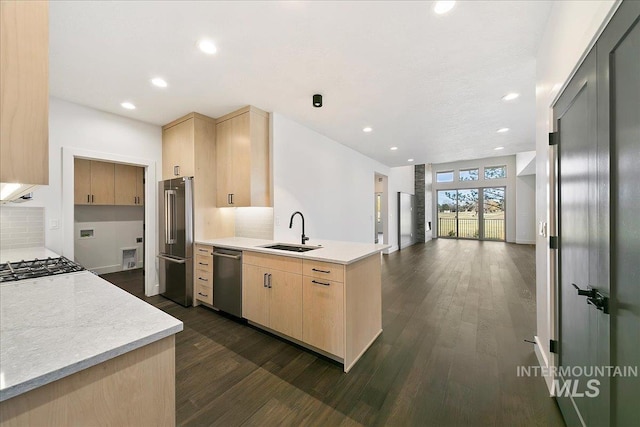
pixel 594 298
pixel 177 261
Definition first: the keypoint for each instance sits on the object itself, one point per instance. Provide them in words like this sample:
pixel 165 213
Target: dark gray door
pixel 582 328
pixel 619 129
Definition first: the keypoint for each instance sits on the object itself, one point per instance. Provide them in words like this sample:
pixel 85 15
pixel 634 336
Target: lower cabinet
pixel 203 273
pixel 323 314
pixel 273 298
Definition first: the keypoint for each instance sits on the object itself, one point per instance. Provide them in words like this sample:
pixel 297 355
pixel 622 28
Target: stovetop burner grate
pixel 21 270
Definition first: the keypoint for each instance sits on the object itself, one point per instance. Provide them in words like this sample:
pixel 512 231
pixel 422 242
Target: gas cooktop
pixel 21 270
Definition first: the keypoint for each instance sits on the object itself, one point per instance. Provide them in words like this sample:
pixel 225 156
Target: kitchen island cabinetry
pixel 94 182
pixel 24 92
pixel 272 292
pixel 242 166
pixel 129 185
pixel 328 299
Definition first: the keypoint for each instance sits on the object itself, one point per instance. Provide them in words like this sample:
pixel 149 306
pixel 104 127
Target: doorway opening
pixel 460 215
pixel 380 210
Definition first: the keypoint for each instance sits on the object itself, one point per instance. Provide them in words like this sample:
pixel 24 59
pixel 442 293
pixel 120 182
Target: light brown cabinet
pixel 323 315
pixel 242 165
pixel 94 182
pixel 24 92
pixel 272 293
pixel 178 148
pixel 203 273
pixel 129 185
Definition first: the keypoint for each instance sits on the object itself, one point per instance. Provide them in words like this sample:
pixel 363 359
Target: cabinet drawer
pixel 323 270
pixel 274 262
pixel 204 262
pixel 203 249
pixel 204 293
pixel 203 277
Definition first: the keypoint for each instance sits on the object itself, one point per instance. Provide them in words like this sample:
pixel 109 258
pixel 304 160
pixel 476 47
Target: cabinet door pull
pixel 264 280
pixel 203 250
pixel 88 198
pixel 176 170
pixel 201 294
pixel 321 271
pixel 203 279
pixel 92 198
pixel 231 198
pixel 269 280
pixel 320 283
pixel 202 263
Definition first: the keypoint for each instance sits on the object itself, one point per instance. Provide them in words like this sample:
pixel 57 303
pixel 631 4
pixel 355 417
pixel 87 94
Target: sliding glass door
pixel 460 216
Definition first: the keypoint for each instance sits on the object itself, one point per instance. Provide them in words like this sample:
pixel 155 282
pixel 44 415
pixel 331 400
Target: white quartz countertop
pixel 55 326
pixel 25 254
pixel 330 250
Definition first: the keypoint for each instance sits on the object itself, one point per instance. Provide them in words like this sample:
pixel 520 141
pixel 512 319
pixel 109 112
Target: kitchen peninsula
pixel 327 298
pixel 76 350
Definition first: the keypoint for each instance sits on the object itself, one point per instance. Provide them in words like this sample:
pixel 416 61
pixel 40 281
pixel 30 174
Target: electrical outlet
pixel 138 239
pixel 277 221
pixel 54 224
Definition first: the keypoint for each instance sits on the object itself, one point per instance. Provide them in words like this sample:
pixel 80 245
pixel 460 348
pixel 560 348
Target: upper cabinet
pixel 242 164
pixel 94 182
pixel 178 145
pixel 24 92
pixel 129 185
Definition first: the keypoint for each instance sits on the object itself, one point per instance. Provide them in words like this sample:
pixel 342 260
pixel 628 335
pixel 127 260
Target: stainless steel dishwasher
pixel 227 281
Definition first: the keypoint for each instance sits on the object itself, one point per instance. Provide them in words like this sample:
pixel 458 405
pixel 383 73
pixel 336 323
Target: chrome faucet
pixel 304 238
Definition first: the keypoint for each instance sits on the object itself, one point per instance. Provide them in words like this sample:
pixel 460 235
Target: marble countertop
pixel 26 254
pixel 52 327
pixel 330 250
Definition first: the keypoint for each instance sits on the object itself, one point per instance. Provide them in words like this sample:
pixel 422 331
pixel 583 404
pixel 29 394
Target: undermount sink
pixel 291 248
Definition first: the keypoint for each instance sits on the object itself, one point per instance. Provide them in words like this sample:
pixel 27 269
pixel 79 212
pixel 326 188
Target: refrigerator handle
pixel 177 261
pixel 169 216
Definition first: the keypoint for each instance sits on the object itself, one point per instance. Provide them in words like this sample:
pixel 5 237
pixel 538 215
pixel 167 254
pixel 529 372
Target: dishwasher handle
pixel 227 256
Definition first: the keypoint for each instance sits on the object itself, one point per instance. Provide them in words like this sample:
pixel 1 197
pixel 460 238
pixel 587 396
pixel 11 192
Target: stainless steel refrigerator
pixel 176 239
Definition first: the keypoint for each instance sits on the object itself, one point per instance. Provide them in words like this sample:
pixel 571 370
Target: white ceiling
pixel 428 84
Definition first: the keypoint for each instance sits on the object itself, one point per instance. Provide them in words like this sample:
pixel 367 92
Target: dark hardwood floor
pixel 455 314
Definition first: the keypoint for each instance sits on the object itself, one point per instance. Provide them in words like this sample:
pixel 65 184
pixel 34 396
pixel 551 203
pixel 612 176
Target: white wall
pixel 401 179
pixel 332 185
pixel 526 209
pixel 509 182
pixel 572 28
pixel 79 129
pixel 114 229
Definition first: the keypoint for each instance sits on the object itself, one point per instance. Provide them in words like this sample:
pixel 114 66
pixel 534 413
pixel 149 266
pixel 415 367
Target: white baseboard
pixel 111 268
pixel 543 360
pixel 525 242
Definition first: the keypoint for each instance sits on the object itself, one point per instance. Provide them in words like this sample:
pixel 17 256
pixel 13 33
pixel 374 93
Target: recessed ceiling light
pixel 499 148
pixel 128 106
pixel 158 82
pixel 443 7
pixel 207 47
pixel 510 96
pixel 409 160
pixel 393 148
pixel 503 130
pixel 367 129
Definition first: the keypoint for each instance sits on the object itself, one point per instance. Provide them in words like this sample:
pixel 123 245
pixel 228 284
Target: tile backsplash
pixel 21 227
pixel 254 222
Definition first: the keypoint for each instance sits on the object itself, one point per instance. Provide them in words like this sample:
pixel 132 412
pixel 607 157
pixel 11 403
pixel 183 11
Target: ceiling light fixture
pixel 503 130
pixel 499 148
pixel 409 160
pixel 317 100
pixel 393 148
pixel 367 129
pixel 443 7
pixel 510 96
pixel 157 81
pixel 128 106
pixel 207 47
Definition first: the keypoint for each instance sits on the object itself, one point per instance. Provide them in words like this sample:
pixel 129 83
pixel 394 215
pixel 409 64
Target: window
pixel 495 172
pixel 468 174
pixel 444 176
